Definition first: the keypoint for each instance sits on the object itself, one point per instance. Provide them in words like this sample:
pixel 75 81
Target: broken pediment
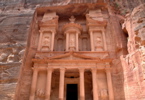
pixel 50 19
pixel 95 18
pixel 70 56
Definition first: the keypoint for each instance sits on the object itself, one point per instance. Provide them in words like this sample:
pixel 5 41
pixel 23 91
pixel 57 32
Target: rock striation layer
pixel 15 18
pixel 134 62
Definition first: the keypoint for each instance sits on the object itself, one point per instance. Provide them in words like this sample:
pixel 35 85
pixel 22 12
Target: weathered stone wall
pixel 124 6
pixel 134 62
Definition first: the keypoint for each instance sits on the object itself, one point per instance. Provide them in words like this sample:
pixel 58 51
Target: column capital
pixel 81 69
pixel 51 69
pixel 78 33
pixel 94 69
pixel 53 31
pixel 62 69
pixel 107 65
pixel 90 30
pixel 35 68
pixel 41 31
pixel 108 69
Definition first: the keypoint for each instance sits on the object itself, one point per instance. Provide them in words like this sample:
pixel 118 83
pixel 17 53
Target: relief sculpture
pixel 98 42
pixel 40 94
pixel 72 45
pixel 103 94
pixel 46 44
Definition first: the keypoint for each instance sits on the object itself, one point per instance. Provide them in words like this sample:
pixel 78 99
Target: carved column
pixel 61 84
pixel 109 82
pixel 92 41
pixel 52 42
pixel 77 41
pixel 104 40
pixel 48 83
pixel 40 39
pixel 95 84
pixel 34 83
pixel 67 42
pixel 82 84
pixel 72 30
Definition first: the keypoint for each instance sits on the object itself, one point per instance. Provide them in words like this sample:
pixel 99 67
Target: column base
pixel 60 98
pixel 31 98
pixel 82 98
pixel 47 97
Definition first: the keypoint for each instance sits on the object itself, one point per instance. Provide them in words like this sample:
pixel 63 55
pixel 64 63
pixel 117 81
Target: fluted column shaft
pixel 82 85
pixel 92 41
pixel 48 83
pixel 95 84
pixel 77 41
pixel 52 42
pixel 40 40
pixel 61 84
pixel 34 83
pixel 109 82
pixel 67 41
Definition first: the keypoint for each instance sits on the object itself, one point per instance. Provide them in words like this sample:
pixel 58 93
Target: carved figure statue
pixel 72 19
pixel 40 93
pixel 72 43
pixel 98 44
pixel 104 94
pixel 46 44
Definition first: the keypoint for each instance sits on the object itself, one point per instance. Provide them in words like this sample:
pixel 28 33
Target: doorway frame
pixel 71 81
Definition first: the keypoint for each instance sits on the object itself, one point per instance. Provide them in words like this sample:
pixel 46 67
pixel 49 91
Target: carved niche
pixel 72 31
pixel 59 42
pixel 84 42
pixel 103 94
pixel 48 28
pixel 96 27
pixel 46 41
pixel 98 41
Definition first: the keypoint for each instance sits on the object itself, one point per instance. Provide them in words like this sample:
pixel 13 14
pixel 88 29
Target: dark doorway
pixel 72 92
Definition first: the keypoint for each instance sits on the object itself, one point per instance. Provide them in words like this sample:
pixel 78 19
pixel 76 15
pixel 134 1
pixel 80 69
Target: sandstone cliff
pixel 15 18
pixel 134 62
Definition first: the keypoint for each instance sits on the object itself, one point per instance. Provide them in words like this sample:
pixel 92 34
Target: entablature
pixel 72 55
pixel 69 65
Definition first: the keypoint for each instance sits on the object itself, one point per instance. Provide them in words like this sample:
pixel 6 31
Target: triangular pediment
pixel 72 56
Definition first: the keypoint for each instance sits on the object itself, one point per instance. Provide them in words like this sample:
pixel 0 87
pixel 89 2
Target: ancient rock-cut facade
pixel 71 55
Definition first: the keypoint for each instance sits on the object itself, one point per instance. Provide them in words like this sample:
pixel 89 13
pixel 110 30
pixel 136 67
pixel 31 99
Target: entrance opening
pixel 72 92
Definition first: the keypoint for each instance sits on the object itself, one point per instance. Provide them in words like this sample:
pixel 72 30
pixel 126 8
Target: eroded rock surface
pixel 133 63
pixel 15 18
